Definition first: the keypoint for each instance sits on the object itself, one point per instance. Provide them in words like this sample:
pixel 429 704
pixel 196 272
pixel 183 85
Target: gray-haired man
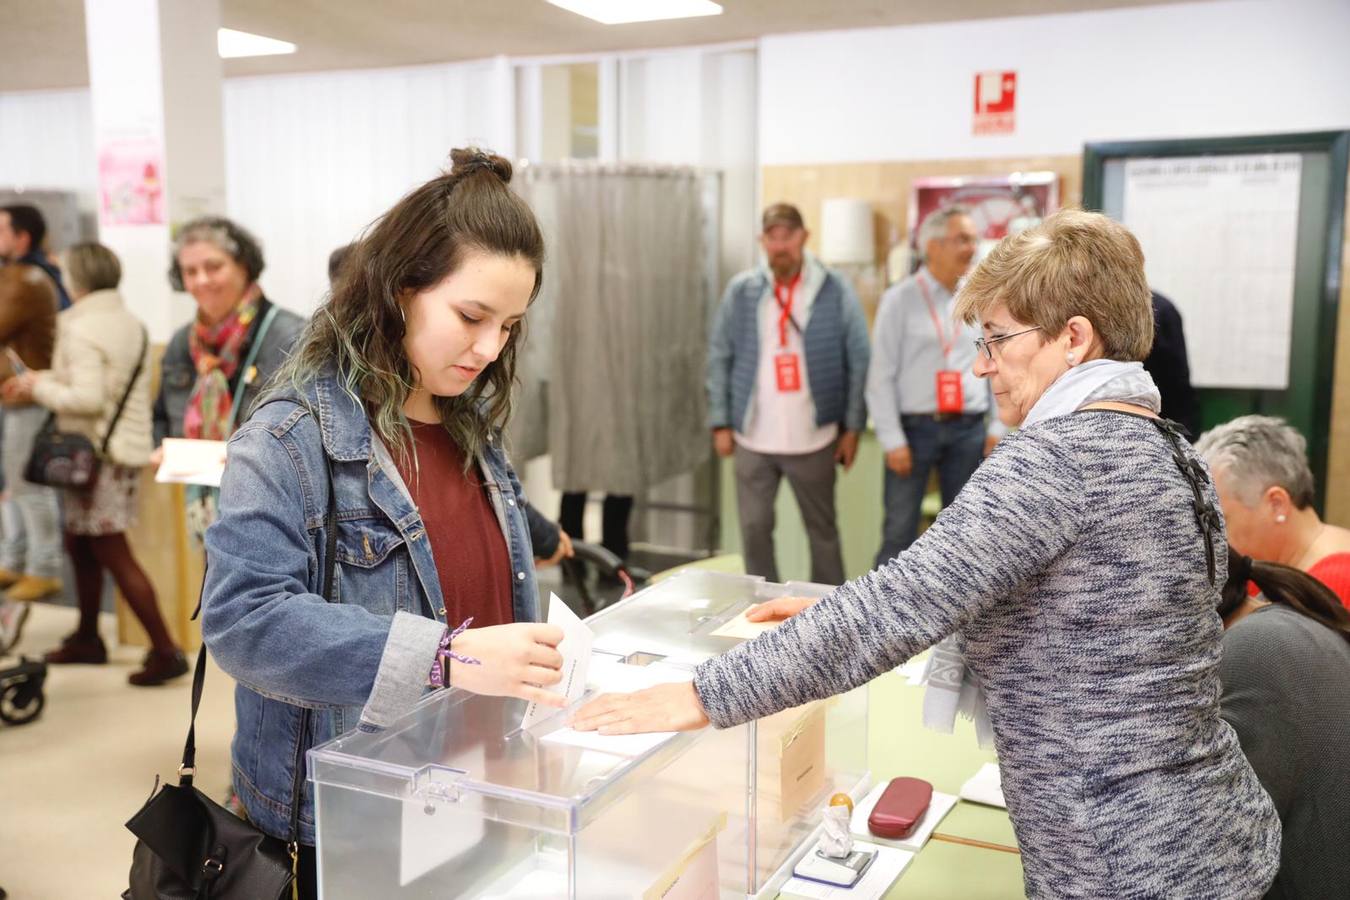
pixel 926 405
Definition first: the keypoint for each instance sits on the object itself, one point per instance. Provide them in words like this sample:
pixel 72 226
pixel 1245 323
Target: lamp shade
pixel 846 231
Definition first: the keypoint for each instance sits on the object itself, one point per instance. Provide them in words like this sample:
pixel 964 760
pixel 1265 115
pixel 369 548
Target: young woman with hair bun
pixel 391 406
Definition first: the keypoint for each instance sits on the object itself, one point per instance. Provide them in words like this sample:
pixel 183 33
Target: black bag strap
pixel 188 768
pixel 126 395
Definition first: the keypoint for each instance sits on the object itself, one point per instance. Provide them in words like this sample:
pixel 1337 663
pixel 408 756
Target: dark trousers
pixel 955 446
pixel 811 476
pixel 614 516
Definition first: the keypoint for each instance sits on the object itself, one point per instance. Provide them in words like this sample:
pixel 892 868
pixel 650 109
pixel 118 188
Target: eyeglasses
pixel 984 345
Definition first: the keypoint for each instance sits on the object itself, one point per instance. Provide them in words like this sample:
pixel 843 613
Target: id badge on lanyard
pixel 787 364
pixel 950 395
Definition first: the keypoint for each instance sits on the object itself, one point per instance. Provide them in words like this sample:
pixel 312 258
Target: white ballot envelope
pixel 189 461
pixel 576 652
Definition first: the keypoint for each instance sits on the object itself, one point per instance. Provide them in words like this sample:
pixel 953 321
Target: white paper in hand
pixel 576 652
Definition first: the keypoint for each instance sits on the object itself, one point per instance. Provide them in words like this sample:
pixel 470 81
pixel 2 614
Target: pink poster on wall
pixel 131 183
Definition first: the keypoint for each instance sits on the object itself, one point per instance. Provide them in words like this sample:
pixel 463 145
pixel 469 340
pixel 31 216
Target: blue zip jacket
pixel 362 660
pixel 837 349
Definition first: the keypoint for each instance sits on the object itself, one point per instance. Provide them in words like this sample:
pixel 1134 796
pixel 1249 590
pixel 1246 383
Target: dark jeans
pixel 614 518
pixel 955 446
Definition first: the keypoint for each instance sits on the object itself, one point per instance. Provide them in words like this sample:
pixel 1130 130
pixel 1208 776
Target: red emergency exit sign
pixel 995 102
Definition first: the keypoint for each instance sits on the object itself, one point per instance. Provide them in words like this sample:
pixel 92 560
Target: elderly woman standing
pixel 214 366
pixel 1266 488
pixel 1079 569
pixel 98 386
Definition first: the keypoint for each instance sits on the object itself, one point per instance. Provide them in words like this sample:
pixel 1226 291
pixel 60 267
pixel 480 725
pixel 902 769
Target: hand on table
pixel 778 608
pixel 665 707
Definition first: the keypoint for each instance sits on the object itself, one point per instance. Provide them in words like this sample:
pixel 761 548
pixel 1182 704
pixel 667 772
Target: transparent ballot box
pixel 457 800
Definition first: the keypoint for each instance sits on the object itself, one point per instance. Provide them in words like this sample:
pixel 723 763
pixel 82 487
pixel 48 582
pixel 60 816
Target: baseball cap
pixel 783 214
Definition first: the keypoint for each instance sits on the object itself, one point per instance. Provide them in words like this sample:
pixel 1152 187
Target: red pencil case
pixel 900 807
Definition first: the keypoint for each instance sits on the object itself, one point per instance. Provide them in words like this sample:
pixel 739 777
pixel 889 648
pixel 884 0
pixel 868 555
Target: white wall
pixel 698 108
pixel 311 160
pixel 47 141
pixel 1191 70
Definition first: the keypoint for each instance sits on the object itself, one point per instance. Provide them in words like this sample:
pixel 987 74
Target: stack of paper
pixel 985 786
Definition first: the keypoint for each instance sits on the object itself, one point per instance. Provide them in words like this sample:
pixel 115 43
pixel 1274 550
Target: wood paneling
pixel 172 560
pixel 887 186
pixel 1338 452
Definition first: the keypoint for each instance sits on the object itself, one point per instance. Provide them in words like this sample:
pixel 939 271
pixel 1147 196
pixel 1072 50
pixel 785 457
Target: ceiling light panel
pixel 618 12
pixel 231 44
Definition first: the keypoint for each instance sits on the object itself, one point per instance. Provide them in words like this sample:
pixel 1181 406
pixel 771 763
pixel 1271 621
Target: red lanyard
pixel 780 291
pixel 945 342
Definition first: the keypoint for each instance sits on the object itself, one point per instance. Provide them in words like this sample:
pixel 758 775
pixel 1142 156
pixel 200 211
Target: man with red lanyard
pixel 927 407
pixel 787 367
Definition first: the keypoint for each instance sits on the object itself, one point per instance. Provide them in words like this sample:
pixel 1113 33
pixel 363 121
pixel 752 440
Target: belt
pixel 943 417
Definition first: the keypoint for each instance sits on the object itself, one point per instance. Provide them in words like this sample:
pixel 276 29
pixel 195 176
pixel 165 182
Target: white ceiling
pixel 42 41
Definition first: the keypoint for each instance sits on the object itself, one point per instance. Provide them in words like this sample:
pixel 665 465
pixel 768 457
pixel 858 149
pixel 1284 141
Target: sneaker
pixel 8 577
pixel 12 617
pixel 33 587
pixel 79 650
pixel 159 668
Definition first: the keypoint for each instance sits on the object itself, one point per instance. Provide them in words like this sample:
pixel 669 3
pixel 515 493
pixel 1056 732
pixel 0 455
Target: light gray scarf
pixel 952 687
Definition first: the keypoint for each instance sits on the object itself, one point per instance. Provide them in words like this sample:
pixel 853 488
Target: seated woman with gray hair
pixel 1079 569
pixel 1260 466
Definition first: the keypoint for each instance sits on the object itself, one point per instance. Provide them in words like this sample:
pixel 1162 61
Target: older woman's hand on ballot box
pixel 778 608
pixel 666 707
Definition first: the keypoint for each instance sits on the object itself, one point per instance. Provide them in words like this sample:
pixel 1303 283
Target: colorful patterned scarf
pixel 215 351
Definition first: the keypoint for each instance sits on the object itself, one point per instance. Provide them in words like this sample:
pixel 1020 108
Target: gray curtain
pixel 615 354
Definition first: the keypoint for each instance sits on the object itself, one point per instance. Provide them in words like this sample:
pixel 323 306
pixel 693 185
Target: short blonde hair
pixel 1075 263
pixel 92 267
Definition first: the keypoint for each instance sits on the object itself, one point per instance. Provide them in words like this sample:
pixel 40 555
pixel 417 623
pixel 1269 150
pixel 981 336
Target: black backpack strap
pixel 187 769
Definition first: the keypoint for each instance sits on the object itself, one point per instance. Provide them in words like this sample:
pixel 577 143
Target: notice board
pixel 1244 235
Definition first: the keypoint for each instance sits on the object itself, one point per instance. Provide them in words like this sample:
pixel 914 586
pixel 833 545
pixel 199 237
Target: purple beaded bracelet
pixel 443 652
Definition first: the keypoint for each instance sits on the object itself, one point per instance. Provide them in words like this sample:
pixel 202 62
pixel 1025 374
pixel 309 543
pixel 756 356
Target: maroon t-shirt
pixel 467 543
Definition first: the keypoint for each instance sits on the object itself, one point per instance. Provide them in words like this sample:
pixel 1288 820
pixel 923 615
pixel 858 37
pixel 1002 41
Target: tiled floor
pixel 70 779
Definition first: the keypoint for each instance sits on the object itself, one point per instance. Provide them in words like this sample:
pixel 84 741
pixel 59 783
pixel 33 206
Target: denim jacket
pixel 363 659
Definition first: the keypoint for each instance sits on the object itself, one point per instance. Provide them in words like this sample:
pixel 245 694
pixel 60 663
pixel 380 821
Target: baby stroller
pixel 21 697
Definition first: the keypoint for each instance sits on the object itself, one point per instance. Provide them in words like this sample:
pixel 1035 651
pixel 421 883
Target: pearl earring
pixel 1069 357
pixel 1280 518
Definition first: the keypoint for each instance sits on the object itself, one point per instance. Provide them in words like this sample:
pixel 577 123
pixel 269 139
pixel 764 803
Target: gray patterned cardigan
pixel 1073 568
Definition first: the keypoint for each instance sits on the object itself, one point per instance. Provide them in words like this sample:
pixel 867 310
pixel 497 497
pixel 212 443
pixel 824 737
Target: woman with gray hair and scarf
pixel 1079 571
pixel 215 365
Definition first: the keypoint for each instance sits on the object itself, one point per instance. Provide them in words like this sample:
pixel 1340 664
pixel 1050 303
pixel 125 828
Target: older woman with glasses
pixel 1079 571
